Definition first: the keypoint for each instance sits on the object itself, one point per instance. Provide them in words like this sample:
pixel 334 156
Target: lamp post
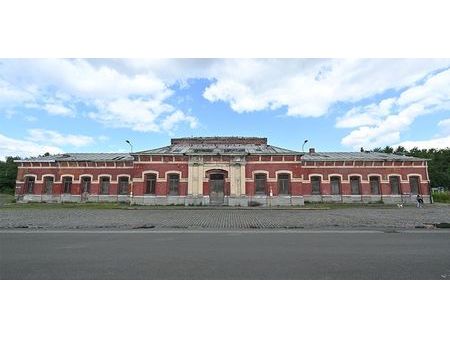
pixel 131 146
pixel 303 146
pixel 131 176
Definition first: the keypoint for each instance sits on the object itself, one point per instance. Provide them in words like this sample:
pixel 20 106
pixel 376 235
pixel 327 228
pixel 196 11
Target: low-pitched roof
pixel 88 157
pixel 357 156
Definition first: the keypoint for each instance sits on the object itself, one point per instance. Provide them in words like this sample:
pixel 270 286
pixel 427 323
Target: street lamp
pixel 303 146
pixel 131 146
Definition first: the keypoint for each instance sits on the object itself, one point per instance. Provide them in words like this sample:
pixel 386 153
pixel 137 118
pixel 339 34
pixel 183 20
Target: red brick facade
pixel 365 179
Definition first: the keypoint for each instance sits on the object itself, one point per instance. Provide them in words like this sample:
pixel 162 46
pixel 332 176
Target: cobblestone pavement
pixel 222 219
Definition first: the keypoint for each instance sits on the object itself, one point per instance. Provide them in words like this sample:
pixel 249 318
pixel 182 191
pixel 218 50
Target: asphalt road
pixel 226 255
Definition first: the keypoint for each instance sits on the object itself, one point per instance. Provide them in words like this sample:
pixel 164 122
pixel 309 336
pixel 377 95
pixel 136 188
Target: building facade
pixel 234 171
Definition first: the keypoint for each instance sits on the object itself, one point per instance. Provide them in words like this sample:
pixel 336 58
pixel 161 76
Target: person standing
pixel 419 200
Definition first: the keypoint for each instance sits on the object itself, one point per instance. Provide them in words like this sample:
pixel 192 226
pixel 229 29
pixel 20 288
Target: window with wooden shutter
pixel 335 185
pixel 284 184
pixel 260 184
pixel 150 184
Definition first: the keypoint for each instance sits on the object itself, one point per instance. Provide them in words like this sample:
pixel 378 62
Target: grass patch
pixel 7 198
pixel 441 197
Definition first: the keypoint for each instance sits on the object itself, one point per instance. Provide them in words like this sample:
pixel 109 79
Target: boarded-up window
pixel 150 184
pixel 395 185
pixel 284 184
pixel 414 185
pixel 374 185
pixel 315 185
pixel 86 185
pixel 260 184
pixel 104 185
pixel 174 180
pixel 123 185
pixel 67 185
pixel 335 185
pixel 29 185
pixel 48 185
pixel 355 185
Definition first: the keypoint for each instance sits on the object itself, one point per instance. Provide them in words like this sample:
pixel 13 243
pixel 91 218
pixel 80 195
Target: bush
pixel 441 197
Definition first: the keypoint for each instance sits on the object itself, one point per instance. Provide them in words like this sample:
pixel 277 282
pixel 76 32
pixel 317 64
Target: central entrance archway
pixel 216 189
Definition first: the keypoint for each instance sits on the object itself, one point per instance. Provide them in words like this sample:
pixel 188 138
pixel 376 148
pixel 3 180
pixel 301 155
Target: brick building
pixel 232 171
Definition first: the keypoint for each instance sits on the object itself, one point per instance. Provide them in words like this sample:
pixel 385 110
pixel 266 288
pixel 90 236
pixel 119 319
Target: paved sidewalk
pixel 222 219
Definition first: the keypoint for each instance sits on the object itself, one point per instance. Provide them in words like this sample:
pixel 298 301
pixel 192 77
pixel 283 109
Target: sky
pixel 94 105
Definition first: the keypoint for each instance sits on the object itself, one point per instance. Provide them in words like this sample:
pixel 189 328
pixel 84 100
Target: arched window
pixel 414 185
pixel 29 184
pixel 260 184
pixel 315 185
pixel 123 185
pixel 394 182
pixel 355 185
pixel 150 184
pixel 85 185
pixel 374 185
pixel 174 180
pixel 284 186
pixel 104 185
pixel 48 185
pixel 67 185
pixel 335 185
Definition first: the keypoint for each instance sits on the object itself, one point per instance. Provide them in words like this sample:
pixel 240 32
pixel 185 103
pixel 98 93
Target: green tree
pixel 8 174
pixel 438 164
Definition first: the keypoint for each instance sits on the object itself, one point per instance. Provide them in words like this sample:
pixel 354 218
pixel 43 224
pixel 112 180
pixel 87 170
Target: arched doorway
pixel 216 187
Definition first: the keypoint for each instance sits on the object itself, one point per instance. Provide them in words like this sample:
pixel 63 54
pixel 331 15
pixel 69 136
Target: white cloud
pixel 173 119
pixel 310 87
pixel 54 138
pixel 10 94
pixel 368 115
pixel 23 148
pixel 444 125
pixel 81 78
pixel 437 143
pixel 382 124
pixel 103 138
pixel 30 118
pixel 440 141
pixel 140 115
pixel 58 109
pixel 118 94
pixel 134 93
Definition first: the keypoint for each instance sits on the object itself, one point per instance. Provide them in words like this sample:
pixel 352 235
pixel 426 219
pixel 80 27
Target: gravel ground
pixel 222 219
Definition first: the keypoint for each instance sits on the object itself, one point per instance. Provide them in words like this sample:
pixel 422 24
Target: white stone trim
pixel 99 176
pixel 260 171
pixel 421 180
pixel 167 173
pixel 283 171
pixel 146 172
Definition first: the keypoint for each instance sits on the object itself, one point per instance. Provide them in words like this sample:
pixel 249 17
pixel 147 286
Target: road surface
pixel 224 255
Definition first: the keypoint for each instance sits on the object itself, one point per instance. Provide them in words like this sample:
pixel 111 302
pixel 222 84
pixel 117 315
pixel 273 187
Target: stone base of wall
pixel 276 201
pixel 386 199
pixel 243 201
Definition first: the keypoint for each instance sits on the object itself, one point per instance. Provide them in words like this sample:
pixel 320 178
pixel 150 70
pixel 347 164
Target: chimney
pixel 312 150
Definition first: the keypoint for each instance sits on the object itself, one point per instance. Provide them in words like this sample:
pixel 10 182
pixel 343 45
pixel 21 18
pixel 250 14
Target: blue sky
pixel 93 105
